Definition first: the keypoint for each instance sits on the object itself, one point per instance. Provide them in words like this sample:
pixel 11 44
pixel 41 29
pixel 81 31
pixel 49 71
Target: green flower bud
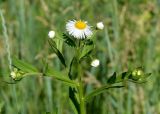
pixel 137 74
pixel 140 73
pixel 16 74
pixel 134 73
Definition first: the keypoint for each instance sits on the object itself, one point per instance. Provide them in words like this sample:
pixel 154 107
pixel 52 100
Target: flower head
pixel 100 25
pixel 51 34
pixel 79 29
pixel 95 63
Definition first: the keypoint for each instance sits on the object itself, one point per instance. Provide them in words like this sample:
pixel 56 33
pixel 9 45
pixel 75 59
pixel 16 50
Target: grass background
pixel 130 39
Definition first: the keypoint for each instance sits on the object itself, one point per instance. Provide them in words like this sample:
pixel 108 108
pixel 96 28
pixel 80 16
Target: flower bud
pixel 13 74
pixel 16 75
pixel 51 34
pixel 100 25
pixel 95 63
pixel 137 74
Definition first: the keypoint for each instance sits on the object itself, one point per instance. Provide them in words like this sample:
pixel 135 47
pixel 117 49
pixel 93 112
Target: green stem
pixel 81 95
pixel 80 87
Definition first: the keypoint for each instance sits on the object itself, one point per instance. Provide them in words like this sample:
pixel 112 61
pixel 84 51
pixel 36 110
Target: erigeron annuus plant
pixel 79 36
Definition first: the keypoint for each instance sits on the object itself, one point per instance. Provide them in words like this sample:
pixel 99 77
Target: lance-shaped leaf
pixel 119 78
pixel 88 42
pixel 72 96
pixel 68 40
pixel 87 49
pixel 73 69
pixel 24 66
pixel 59 75
pixel 29 70
pixel 99 91
pixel 112 79
pixel 5 79
pixel 56 51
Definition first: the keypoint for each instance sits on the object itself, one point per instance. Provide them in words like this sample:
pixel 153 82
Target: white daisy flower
pixel 79 29
pixel 51 34
pixel 95 63
pixel 100 25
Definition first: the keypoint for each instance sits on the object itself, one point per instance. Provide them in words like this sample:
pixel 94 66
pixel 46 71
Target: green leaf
pixel 86 51
pixel 56 51
pixel 119 78
pixel 68 40
pixel 48 112
pixel 59 75
pixel 73 98
pixel 24 66
pixel 73 69
pixel 88 42
pixel 99 91
pixel 112 79
pixel 147 75
pixel 123 76
pixel 30 70
pixel 73 107
pixel 55 72
pixel 6 80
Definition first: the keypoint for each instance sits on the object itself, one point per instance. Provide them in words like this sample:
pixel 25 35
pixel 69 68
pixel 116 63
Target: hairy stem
pixel 80 87
pixel 81 93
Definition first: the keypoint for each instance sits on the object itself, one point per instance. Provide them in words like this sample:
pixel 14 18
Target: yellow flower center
pixel 80 25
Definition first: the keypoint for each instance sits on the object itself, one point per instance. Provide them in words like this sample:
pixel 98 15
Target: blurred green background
pixel 130 39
